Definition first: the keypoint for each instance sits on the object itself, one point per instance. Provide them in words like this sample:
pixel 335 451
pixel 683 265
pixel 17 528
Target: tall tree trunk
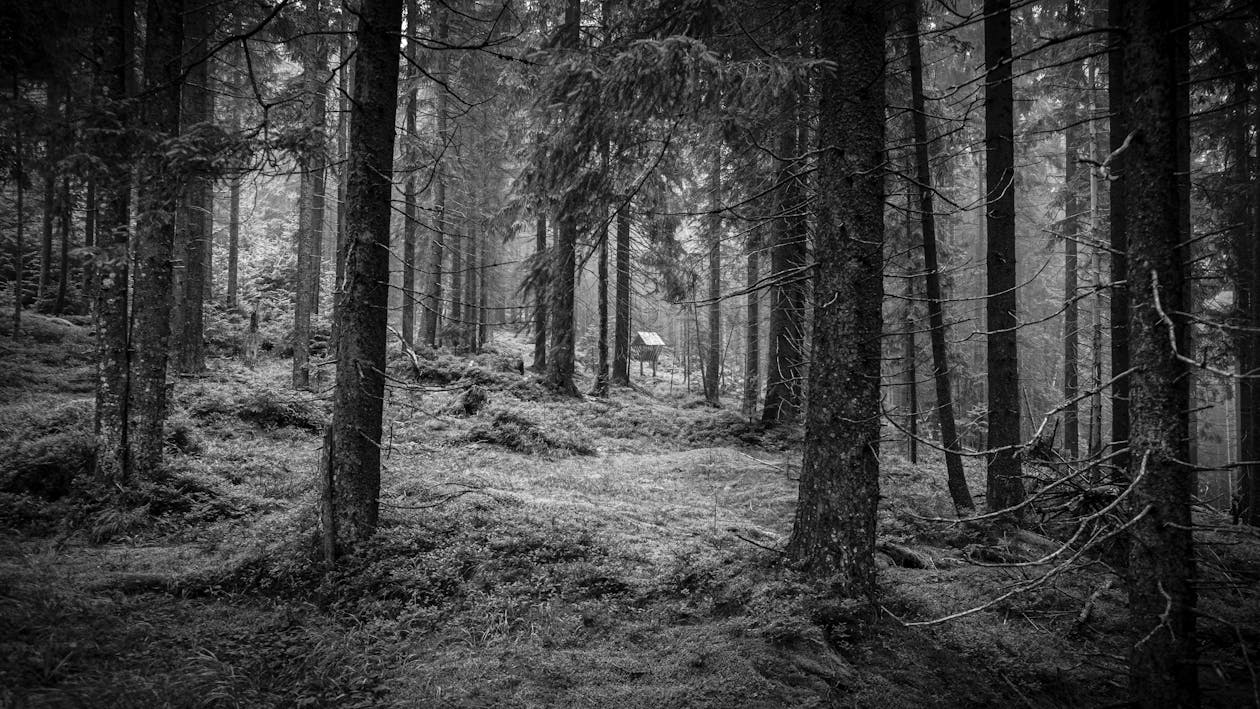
pixel 409 190
pixel 621 337
pixel 156 202
pixel 18 148
pixel 470 317
pixel 1246 252
pixel 564 262
pixel 1119 242
pixel 834 532
pixel 455 245
pixel 752 324
pixel 787 294
pixel 89 238
pixel 114 228
pixel 1162 667
pixel 957 479
pixel 234 241
pixel 352 445
pixel 540 300
pixel 437 244
pixel 52 151
pixel 713 368
pixel 1005 488
pixel 601 364
pixel 1181 41
pixel 310 201
pixel 190 323
pixel 65 205
pixel 1071 227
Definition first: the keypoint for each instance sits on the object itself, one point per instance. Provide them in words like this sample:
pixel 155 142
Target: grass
pixel 536 552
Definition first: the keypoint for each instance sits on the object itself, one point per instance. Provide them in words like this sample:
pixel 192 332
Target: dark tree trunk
pixel 89 239
pixel 564 258
pixel 621 338
pixel 310 201
pixel 834 532
pixel 65 205
pixel 20 208
pixel 540 301
pixel 408 316
pixel 1004 486
pixel 601 365
pixel 1118 130
pixel 437 244
pixel 1181 60
pixel 197 222
pixel 114 227
pixel 53 148
pixel 234 241
pixel 787 294
pixel 156 199
pixel 455 245
pixel 713 367
pixel 1245 244
pixel 957 480
pixel 752 324
pixel 1073 140
pixel 352 446
pixel 1162 666
pixel 472 268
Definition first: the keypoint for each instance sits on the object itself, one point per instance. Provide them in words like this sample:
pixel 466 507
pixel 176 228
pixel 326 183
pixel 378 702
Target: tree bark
pixel 408 315
pixel 601 365
pixel 788 259
pixel 353 478
pixel 713 349
pixel 834 532
pixel 65 205
pixel 234 241
pixel 1162 668
pixel 956 478
pixel 156 201
pixel 1005 488
pixel 437 244
pixel 114 228
pixel 540 300
pixel 20 207
pixel 1119 242
pixel 621 338
pixel 1071 227
pixel 53 148
pixel 197 221
pixel 310 201
pixel 752 324
pixel 564 257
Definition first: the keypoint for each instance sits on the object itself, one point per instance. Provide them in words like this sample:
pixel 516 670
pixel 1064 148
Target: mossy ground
pixel 542 552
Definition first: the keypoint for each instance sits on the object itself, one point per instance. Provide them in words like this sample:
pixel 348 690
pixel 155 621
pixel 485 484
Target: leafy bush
pixel 48 447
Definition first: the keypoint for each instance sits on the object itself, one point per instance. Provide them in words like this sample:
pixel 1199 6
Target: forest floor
pixel 541 552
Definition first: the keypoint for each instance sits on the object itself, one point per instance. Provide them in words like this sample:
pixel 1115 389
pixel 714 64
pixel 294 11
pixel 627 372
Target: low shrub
pixel 516 432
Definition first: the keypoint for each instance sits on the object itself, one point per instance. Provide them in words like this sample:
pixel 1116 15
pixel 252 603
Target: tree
pixel 113 227
pixel 562 274
pixel 437 244
pixel 621 336
pixel 1162 667
pixel 1071 227
pixel 1005 488
pixel 834 532
pixel 311 198
pixel 752 323
pixel 788 260
pixel 1118 131
pixel 197 204
pixel 713 349
pixel 352 445
pixel 957 480
pixel 409 189
pixel 154 237
pixel 540 299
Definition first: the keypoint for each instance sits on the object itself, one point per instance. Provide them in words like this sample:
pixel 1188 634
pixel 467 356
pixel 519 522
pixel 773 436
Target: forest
pixel 668 353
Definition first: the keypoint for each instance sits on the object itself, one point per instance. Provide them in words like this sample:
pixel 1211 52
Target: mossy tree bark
pixel 834 533
pixel 113 224
pixel 156 201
